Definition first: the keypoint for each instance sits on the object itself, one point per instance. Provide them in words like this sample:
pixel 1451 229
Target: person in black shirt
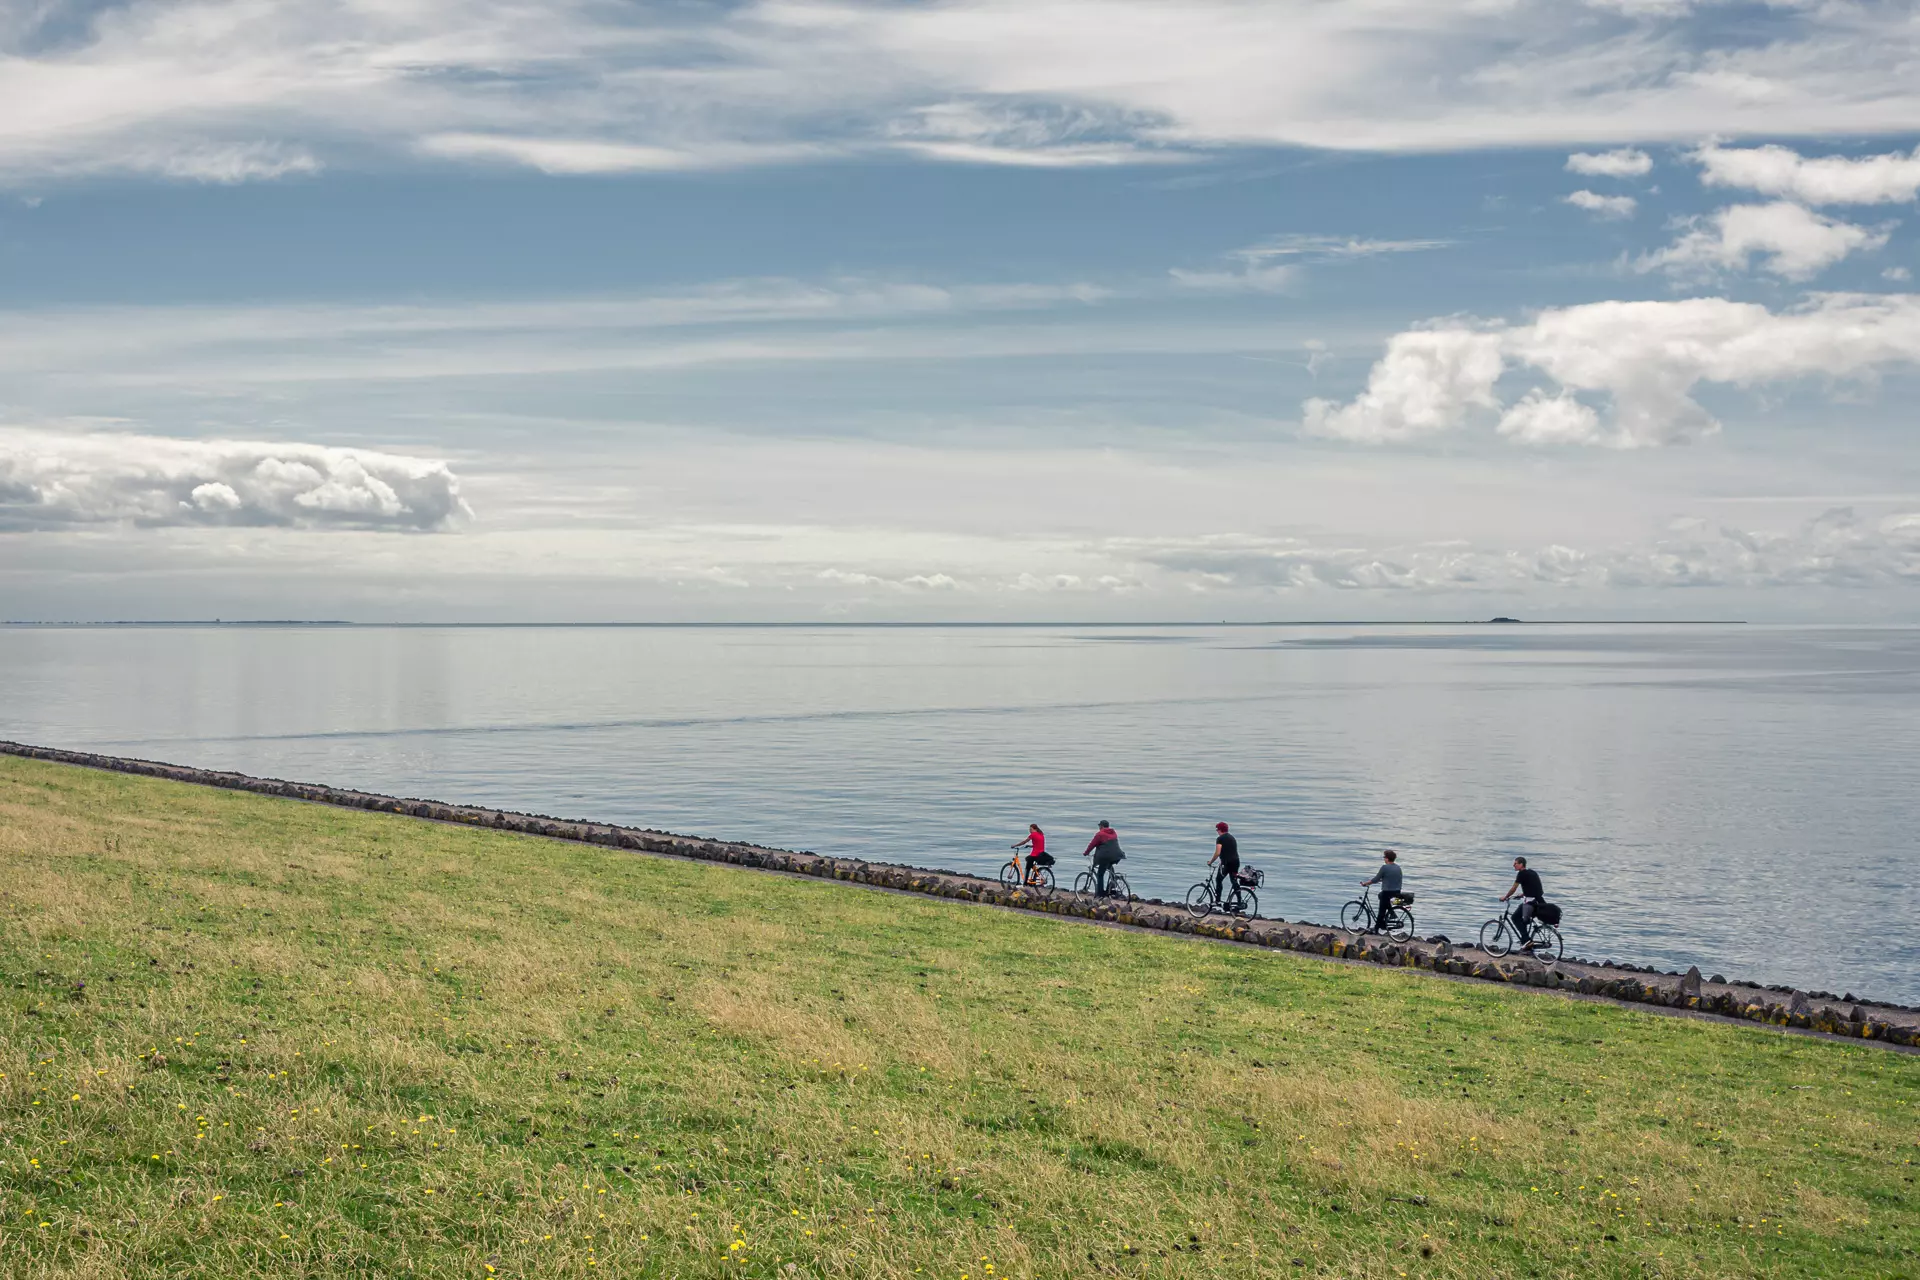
pixel 1526 883
pixel 1226 856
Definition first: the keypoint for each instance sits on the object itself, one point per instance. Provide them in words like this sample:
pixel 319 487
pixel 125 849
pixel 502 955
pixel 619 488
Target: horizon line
pixel 1275 622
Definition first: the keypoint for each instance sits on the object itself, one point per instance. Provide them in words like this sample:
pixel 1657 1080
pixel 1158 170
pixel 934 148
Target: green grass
pixel 321 1042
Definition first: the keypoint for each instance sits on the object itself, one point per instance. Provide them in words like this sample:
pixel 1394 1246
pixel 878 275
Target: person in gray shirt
pixel 1388 878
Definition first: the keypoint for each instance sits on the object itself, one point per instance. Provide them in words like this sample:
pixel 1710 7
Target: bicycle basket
pixel 1252 877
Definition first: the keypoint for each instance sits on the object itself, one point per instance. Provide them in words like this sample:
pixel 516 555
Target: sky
pixel 1020 310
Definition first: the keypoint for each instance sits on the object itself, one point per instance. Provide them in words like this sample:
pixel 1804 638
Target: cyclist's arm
pixel 1024 843
pixel 1375 880
pixel 1216 854
pixel 1511 890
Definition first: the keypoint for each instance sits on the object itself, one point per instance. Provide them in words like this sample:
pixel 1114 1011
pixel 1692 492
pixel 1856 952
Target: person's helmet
pixel 1219 826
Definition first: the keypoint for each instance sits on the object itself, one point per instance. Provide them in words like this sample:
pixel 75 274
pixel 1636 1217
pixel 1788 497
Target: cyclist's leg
pixel 1101 871
pixel 1523 917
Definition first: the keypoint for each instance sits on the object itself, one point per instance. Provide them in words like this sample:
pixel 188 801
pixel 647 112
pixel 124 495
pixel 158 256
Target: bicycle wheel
pixel 1043 879
pixel 1354 918
pixel 1200 899
pixel 1245 904
pixel 1118 887
pixel 1083 883
pixel 1496 937
pixel 1547 944
pixel 1400 928
pixel 1009 877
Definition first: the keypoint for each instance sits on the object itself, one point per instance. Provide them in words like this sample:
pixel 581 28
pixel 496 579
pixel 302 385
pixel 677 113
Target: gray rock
pixel 1690 982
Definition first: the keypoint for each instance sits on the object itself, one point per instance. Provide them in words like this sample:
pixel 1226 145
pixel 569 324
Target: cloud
pixel 1836 549
pixel 1628 162
pixel 1644 358
pixel 1790 241
pixel 1273 266
pixel 1426 382
pixel 55 480
pixel 1603 206
pixel 206 90
pixel 1893 178
pixel 587 155
pixel 1324 248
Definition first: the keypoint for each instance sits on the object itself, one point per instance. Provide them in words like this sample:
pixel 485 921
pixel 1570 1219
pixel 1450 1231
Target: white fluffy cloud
pixel 1627 162
pixel 1603 206
pixel 1892 178
pixel 1426 382
pixel 1643 358
pixel 212 90
pixel 54 480
pixel 1787 239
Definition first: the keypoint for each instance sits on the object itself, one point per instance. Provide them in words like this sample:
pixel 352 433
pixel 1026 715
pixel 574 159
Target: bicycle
pixel 1039 878
pixel 1392 919
pixel 1500 936
pixel 1117 886
pixel 1202 900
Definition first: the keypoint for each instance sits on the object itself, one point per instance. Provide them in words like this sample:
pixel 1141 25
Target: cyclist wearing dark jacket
pixel 1106 852
pixel 1526 883
pixel 1225 860
pixel 1388 878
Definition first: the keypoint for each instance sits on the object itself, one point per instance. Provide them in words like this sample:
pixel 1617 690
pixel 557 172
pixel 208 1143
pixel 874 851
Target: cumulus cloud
pixel 1627 162
pixel 209 90
pixel 1787 239
pixel 56 480
pixel 1835 549
pixel 1426 382
pixel 1892 178
pixel 1603 206
pixel 1644 359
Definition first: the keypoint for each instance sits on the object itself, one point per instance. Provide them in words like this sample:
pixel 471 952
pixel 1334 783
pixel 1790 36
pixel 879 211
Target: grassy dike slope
pixel 320 1042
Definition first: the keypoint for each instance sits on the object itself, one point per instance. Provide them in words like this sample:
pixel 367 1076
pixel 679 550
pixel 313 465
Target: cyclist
pixel 1526 883
pixel 1388 878
pixel 1037 855
pixel 1106 853
pixel 1226 857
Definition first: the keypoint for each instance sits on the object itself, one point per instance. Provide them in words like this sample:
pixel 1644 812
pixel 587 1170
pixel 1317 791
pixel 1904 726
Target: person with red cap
pixel 1226 856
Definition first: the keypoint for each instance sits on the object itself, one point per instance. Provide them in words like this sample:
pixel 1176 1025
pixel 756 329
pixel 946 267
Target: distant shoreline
pixel 863 626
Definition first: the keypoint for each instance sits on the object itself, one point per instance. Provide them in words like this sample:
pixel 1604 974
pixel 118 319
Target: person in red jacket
pixel 1037 856
pixel 1105 850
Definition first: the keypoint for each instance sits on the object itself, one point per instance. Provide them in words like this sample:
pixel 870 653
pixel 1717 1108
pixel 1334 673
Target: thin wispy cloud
pixel 199 90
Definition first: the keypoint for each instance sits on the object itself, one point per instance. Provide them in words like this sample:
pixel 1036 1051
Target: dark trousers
pixel 1388 901
pixel 1523 916
pixel 1223 881
pixel 1103 866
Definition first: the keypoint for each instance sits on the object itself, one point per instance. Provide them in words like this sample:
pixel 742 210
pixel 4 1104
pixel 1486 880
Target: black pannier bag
pixel 1547 913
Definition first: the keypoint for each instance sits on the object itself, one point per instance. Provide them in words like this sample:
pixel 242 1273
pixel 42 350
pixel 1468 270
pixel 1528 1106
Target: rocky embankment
pixel 1777 1006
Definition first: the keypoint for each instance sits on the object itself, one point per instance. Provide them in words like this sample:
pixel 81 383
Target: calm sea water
pixel 1741 798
